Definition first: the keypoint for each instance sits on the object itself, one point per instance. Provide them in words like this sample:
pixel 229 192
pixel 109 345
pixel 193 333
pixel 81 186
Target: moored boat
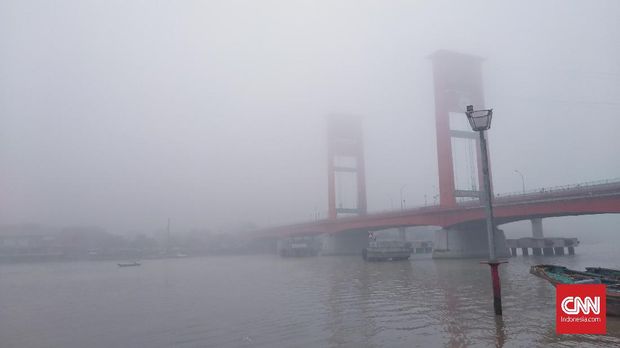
pixel 129 264
pixel 561 275
pixel 298 246
pixel 605 272
pixel 387 251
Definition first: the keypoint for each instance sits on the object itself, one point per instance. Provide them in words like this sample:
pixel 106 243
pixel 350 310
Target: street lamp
pixel 522 180
pixel 402 201
pixel 480 121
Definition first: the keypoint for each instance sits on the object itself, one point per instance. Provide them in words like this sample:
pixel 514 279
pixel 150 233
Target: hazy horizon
pixel 123 114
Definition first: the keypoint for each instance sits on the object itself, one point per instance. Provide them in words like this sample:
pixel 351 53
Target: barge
pixel 387 251
pixel 298 247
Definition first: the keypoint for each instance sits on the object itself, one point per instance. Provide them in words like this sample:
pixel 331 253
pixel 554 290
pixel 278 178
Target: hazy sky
pixel 124 113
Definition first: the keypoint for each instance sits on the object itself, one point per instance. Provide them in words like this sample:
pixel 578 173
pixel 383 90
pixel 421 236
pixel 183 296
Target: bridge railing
pixel 546 192
pixel 585 187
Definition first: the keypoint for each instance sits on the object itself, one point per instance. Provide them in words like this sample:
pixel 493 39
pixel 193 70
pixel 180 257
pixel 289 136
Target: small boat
pixel 562 275
pixel 129 264
pixel 387 251
pixel 605 272
pixel 298 246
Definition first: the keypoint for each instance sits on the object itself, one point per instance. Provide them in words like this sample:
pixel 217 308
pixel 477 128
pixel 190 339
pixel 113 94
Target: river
pixel 268 301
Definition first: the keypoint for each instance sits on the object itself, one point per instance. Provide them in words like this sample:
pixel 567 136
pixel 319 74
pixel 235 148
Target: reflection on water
pixel 500 333
pixel 266 301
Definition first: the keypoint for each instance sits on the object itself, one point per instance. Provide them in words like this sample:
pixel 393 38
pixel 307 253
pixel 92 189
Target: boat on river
pixel 298 246
pixel 593 275
pixel 129 264
pixel 387 251
pixel 605 272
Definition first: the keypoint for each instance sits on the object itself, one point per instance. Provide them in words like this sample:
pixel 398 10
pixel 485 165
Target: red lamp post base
pixel 497 288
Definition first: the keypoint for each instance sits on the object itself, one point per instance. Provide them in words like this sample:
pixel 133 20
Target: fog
pixel 123 114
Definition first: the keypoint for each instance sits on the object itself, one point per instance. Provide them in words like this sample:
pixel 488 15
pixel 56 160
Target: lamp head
pixel 479 120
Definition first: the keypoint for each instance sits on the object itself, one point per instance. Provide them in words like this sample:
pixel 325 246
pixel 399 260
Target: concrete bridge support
pixel 537 232
pixel 344 243
pixel 402 234
pixel 537 228
pixel 469 242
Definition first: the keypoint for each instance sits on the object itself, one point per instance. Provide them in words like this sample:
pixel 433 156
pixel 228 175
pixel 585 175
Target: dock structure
pixel 543 246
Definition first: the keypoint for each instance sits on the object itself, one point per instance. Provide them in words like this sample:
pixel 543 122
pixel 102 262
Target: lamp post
pixel 480 121
pixel 402 201
pixel 522 180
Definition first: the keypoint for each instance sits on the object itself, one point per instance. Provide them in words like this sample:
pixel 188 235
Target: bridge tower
pixel 458 83
pixel 345 154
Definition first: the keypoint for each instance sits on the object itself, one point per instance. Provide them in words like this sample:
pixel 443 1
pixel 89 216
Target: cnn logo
pixel 580 309
pixel 574 305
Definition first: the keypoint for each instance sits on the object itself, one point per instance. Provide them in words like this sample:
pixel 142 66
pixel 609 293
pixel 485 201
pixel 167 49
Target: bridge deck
pixel 581 199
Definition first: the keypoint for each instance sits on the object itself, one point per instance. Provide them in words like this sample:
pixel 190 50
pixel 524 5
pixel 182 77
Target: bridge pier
pixel 537 232
pixel 537 228
pixel 344 243
pixel 468 242
pixel 402 234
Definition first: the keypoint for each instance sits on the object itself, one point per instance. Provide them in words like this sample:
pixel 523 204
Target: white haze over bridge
pixel 124 113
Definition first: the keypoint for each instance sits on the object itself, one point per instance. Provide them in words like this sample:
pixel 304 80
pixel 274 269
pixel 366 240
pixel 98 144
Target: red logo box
pixel 580 309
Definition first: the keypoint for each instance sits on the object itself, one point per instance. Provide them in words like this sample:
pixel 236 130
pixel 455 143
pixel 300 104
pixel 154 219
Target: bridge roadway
pixel 600 197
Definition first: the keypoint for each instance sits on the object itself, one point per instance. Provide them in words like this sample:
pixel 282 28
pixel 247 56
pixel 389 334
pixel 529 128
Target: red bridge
pixel 582 199
pixel 460 214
